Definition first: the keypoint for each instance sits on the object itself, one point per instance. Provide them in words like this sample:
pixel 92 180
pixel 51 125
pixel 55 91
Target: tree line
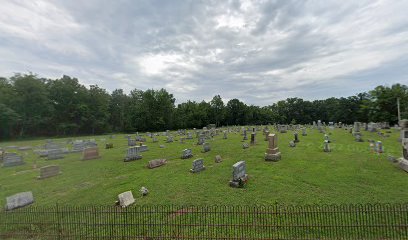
pixel 34 106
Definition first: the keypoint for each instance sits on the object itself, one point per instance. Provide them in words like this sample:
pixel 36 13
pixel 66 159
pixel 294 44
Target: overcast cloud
pixel 256 51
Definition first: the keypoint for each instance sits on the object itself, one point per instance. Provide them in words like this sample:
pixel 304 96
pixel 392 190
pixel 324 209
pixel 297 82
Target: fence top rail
pixel 206 208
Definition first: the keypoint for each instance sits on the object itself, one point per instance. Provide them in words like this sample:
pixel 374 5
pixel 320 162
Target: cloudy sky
pixel 256 51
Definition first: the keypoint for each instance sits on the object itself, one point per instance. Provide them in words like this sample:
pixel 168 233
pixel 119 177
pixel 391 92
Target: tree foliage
pixel 33 106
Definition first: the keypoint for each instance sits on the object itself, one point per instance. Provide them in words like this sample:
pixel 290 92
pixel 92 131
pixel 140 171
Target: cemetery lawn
pixel 305 175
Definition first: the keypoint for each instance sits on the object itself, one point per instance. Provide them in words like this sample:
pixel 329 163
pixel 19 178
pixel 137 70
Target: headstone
pixel 162 146
pixel 245 145
pixel 54 154
pixel 108 145
pixel 304 133
pixel 24 148
pixel 49 171
pixel 12 159
pixel 206 147
pixel 143 148
pixel 239 176
pixel 225 135
pixel 292 144
pixel 253 138
pixel 131 142
pixel 218 159
pixel 189 135
pixel 156 163
pixel 326 147
pixel 198 166
pixel 133 154
pixel 266 132
pixel 359 138
pixel 155 139
pixel 90 153
pixel 126 199
pixel 78 146
pixel 169 139
pixel 245 135
pixel 272 152
pixel 201 140
pixel 379 147
pixel 19 200
pixel 187 153
pixel 326 138
pixel 295 134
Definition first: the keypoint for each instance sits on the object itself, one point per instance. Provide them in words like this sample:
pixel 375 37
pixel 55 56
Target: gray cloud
pixel 257 51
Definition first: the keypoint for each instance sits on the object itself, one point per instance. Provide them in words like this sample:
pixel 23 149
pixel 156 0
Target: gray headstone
pixel 218 159
pixel 206 147
pixel 12 159
pixel 126 199
pixel 198 166
pixel 187 153
pixel 133 154
pixel 49 171
pixel 54 154
pixel 19 200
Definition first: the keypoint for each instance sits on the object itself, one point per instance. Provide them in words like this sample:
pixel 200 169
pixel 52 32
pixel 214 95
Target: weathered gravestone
pixel 126 199
pixel 143 148
pixel 108 145
pixel 245 135
pixel 131 142
pixel 253 134
pixel 133 154
pixel 19 200
pixel 272 152
pixel 266 132
pixel 379 147
pixel 225 135
pixel 206 147
pixel 359 138
pixel 90 153
pixel 12 159
pixel 49 171
pixel 187 153
pixel 78 146
pixel 156 163
pixel 239 176
pixel 245 145
pixel 296 136
pixel 198 166
pixel 155 140
pixel 54 154
pixel 25 148
pixel 326 147
pixel 403 162
pixel 218 159
pixel 304 133
pixel 169 139
pixel 292 144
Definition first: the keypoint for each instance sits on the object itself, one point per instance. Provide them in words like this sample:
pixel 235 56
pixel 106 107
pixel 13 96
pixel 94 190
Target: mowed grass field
pixel 305 175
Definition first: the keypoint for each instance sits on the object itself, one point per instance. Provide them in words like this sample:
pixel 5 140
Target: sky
pixel 257 51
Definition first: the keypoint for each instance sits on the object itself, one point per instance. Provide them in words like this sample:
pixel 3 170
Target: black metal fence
pixel 370 221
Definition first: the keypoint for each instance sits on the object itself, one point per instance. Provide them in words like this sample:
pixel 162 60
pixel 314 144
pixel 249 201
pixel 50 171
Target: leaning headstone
pixel 90 153
pixel 239 176
pixel 133 154
pixel 54 154
pixel 187 153
pixel 206 147
pixel 49 171
pixel 218 159
pixel 156 163
pixel 198 166
pixel 19 200
pixel 126 199
pixel 272 152
pixel 12 159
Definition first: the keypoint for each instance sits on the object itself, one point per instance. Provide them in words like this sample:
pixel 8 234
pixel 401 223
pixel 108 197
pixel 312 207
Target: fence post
pixel 58 220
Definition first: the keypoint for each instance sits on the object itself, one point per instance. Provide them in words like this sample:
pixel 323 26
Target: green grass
pixel 305 175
